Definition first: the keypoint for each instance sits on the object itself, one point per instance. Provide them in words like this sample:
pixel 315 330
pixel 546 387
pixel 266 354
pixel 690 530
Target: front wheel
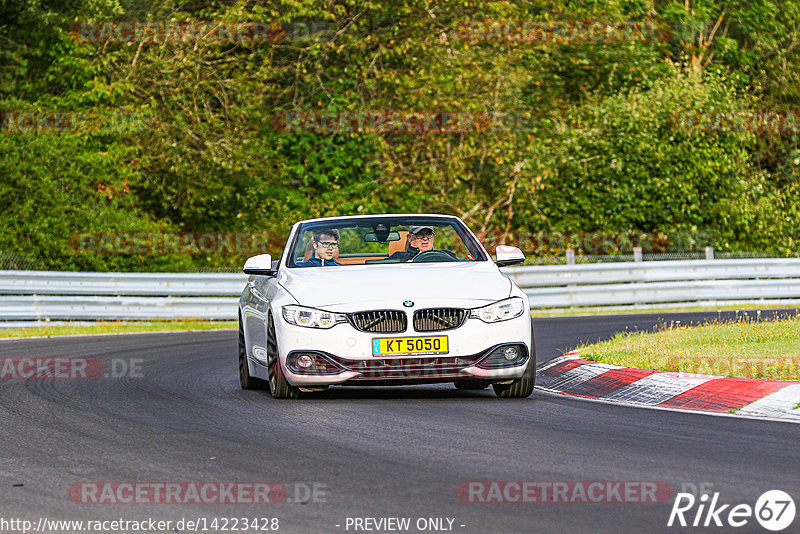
pixel 522 387
pixel 278 386
pixel 245 380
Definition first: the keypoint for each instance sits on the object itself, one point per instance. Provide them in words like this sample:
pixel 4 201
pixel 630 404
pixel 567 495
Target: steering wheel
pixel 433 256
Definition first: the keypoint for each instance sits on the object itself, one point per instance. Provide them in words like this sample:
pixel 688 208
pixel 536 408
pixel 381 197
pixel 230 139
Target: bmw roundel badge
pixel 408 303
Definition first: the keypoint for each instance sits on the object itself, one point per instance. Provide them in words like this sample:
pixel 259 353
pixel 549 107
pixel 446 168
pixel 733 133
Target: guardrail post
pixel 570 257
pixel 709 253
pixel 637 253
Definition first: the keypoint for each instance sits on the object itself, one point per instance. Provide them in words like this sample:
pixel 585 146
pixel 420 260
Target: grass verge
pixel 113 327
pixel 744 348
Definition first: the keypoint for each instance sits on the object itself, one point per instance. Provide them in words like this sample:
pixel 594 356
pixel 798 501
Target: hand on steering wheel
pixel 433 256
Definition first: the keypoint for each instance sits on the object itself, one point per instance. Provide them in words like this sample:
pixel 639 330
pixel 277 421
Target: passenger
pixel 324 244
pixel 419 239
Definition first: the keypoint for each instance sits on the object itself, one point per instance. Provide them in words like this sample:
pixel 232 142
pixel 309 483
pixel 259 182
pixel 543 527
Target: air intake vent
pixel 381 321
pixel 435 319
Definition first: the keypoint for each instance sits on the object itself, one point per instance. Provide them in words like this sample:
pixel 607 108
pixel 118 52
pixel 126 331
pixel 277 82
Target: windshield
pixel 383 240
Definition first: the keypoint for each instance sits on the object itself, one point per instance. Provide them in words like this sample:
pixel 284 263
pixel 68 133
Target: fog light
pixel 305 361
pixel 505 356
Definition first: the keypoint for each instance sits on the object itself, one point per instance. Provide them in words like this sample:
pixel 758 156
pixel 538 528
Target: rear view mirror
pixel 372 237
pixel 507 255
pixel 259 265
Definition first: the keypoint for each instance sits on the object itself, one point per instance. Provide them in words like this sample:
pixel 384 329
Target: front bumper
pixel 405 370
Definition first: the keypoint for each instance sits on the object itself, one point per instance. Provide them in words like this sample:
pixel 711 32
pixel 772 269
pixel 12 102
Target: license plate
pixel 409 345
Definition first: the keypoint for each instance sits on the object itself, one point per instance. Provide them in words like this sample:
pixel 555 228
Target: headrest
pixel 398 246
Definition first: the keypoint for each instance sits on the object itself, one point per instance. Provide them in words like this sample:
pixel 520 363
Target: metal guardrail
pixel 37 295
pixel 118 284
pixel 635 283
pixel 110 308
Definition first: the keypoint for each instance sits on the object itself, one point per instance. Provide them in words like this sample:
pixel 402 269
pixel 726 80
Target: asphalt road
pixel 372 453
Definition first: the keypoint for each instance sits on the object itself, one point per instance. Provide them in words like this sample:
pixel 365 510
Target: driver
pixel 419 240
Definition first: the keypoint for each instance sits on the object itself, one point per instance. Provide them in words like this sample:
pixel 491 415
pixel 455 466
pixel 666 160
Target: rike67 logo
pixel 774 510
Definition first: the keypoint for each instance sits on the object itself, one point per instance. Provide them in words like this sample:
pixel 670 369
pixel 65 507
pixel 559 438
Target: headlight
pixel 311 318
pixel 502 310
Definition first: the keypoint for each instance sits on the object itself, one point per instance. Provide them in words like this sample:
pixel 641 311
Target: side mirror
pixel 506 255
pixel 259 265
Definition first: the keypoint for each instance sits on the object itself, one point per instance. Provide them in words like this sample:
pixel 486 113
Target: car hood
pixel 352 287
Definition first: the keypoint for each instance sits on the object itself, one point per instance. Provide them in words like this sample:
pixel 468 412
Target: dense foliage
pixel 581 137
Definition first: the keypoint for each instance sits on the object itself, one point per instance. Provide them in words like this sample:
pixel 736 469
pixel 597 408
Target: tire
pixel 471 384
pixel 278 386
pixel 245 380
pixel 522 387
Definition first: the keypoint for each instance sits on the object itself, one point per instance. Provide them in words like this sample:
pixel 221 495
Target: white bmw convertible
pixel 384 300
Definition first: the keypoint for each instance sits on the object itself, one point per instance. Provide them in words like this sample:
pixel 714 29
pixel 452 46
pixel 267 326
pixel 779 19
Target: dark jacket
pixel 405 255
pixel 316 262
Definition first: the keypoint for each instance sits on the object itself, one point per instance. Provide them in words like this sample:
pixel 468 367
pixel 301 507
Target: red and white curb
pixel 572 375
